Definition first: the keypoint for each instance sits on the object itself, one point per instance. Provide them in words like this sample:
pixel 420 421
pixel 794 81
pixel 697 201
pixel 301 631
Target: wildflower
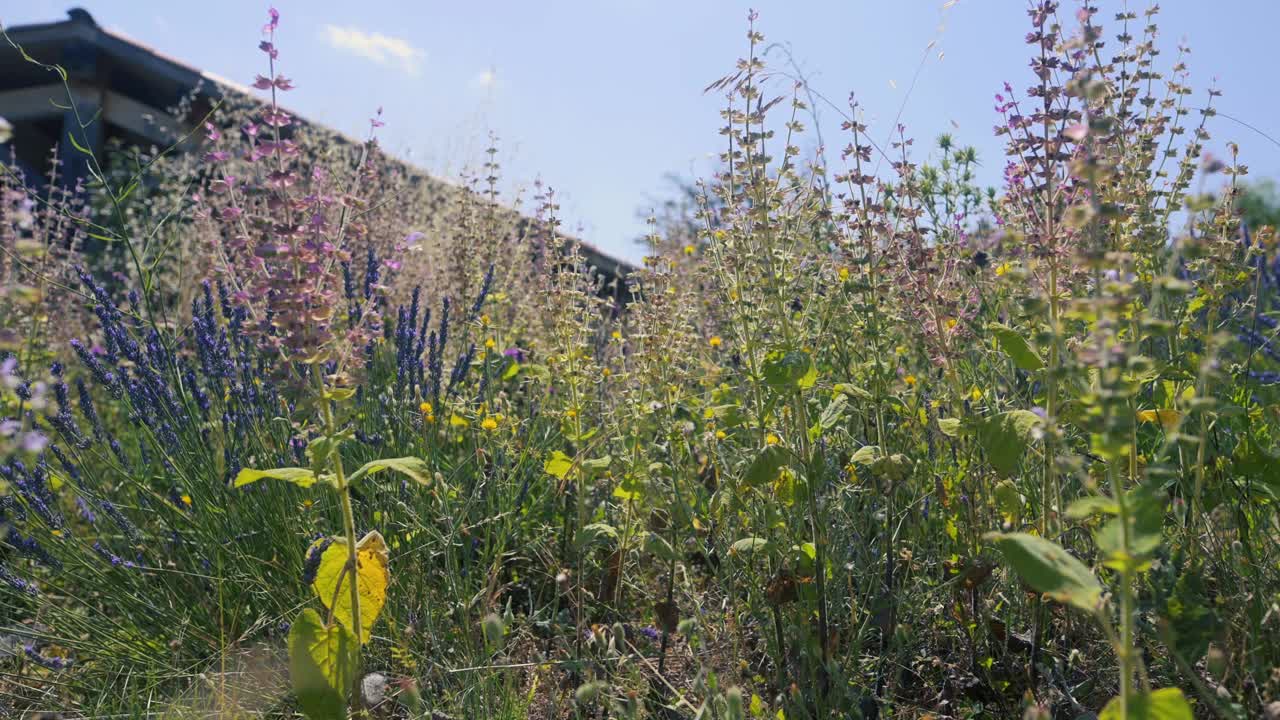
pixel 910 380
pixel 616 335
pixel 720 435
pixel 715 341
pixel 844 274
pixel 1002 269
pixel 52 662
pixel 772 439
pixel 312 562
pixel 16 582
pixel 688 249
pixel 975 394
pixel 490 344
pixel 489 424
pixel 425 408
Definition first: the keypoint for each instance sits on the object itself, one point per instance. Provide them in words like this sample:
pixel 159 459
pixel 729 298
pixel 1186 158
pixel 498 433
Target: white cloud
pixel 381 49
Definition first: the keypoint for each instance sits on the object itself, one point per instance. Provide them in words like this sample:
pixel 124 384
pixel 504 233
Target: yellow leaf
pixel 372 560
pixel 1167 418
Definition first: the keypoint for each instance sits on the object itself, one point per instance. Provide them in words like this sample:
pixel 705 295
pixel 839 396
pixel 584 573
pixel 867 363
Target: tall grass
pixel 868 441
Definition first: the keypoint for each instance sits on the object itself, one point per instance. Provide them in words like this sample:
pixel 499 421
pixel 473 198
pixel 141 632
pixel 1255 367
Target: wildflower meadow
pixel 285 432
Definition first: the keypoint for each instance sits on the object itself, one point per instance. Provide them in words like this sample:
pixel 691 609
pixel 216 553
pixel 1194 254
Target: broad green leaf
pixel 595 531
pixel 598 465
pixel 1005 438
pixel 1162 704
pixel 1009 500
pixel 1191 617
pixel 852 391
pixel 415 468
pixel 1146 521
pixel 834 412
pixel 322 664
pixel 950 426
pixel 867 454
pixel 558 464
pixel 372 560
pixel 765 468
pixel 746 546
pixel 789 368
pixel 1050 569
pixel 1016 347
pixel 1092 505
pixel 302 477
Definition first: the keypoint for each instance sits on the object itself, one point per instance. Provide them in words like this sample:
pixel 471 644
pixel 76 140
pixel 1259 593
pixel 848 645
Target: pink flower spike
pixel 212 132
pixel 262 83
pixel 269 49
pixel 275 21
pixel 283 83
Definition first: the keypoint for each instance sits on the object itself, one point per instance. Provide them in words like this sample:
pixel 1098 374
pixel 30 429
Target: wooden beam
pixel 38 101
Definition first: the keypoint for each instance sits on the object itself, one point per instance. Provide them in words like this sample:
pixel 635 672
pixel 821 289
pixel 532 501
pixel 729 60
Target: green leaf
pixel 1092 505
pixel 558 464
pixel 1162 704
pixel 950 426
pixel 764 469
pixel 415 469
pixel 867 454
pixel 1191 617
pixel 789 368
pixel 834 412
pixel 852 391
pixel 322 663
pixel 1050 569
pixel 598 465
pixel 1005 438
pixel 1016 347
pixel 302 477
pixel 747 546
pixel 595 531
pixel 1145 531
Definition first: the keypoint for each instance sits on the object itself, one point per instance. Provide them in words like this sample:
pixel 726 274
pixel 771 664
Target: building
pixel 126 88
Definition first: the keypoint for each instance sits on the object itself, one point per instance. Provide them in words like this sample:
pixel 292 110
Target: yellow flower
pixel 489 424
pixel 571 413
pixel 720 435
pixel 844 274
pixel 910 380
pixel 900 350
pixel 715 341
pixel 186 500
pixel 772 439
pixel 951 322
pixel 425 408
pixel 1002 269
pixel 616 335
pixel 484 319
pixel 975 394
pixel 490 343
pixel 688 249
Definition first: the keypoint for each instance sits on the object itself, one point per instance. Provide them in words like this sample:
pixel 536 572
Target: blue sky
pixel 603 98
